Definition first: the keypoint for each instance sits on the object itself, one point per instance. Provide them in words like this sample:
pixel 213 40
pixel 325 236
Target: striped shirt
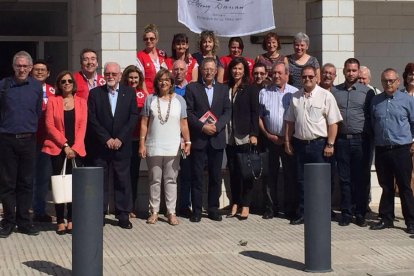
pixel 273 104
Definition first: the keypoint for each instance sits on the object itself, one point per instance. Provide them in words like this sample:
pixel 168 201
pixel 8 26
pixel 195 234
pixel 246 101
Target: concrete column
pixel 330 26
pixel 117 32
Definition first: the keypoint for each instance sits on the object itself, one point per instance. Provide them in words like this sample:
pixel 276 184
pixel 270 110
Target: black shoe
pixel 195 217
pixel 360 221
pixel 267 215
pixel 345 220
pixel 333 214
pixel 125 224
pixel 215 216
pixel 243 218
pixel 29 229
pixel 6 230
pixel 231 215
pixel 410 229
pixel 382 225
pixel 297 221
pixel 185 213
pixel 42 218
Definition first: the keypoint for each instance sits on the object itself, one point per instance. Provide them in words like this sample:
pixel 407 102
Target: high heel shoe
pixel 61 230
pixel 233 211
pixel 69 228
pixel 244 213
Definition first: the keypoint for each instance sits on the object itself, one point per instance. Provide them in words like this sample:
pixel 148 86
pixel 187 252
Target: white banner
pixel 227 17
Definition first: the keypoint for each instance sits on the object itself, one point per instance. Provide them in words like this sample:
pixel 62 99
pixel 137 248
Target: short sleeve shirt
pixel 313 114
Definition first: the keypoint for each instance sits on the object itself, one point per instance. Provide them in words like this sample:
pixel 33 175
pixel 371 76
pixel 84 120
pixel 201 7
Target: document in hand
pixel 208 117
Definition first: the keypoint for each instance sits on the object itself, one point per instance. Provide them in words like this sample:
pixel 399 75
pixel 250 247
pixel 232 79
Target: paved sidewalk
pixel 213 248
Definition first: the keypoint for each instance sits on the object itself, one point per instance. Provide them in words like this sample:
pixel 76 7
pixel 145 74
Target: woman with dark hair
pixel 236 47
pixel 408 77
pixel 208 47
pixel 133 77
pixel 66 117
pixel 300 59
pixel 150 60
pixel 180 51
pixel 271 44
pixel 164 120
pixel 242 132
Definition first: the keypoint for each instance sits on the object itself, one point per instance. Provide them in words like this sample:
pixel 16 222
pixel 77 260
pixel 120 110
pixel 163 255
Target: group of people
pixel 181 113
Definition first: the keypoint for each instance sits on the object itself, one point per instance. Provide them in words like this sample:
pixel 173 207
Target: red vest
pixel 48 91
pixel 225 60
pixel 149 68
pixel 190 66
pixel 82 84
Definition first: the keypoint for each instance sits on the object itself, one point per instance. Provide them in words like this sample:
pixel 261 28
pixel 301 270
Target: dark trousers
pixel 241 190
pixel 135 163
pixel 119 170
pixel 184 184
pixel 270 182
pixel 395 163
pixel 353 158
pixel 307 152
pixel 214 162
pixel 17 164
pixel 43 172
pixel 57 165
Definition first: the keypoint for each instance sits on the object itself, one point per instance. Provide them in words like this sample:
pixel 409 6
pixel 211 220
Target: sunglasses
pixel 62 81
pixel 149 38
pixel 308 77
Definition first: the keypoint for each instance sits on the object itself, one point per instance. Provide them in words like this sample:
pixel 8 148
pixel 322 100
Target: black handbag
pixel 253 164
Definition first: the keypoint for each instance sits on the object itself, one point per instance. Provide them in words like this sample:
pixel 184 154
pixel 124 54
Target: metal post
pixel 317 217
pixel 87 241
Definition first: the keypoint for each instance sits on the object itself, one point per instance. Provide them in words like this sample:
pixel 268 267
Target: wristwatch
pixel 329 145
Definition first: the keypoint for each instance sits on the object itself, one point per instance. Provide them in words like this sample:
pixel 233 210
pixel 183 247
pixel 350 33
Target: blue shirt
pixel 392 119
pixel 113 98
pixel 21 106
pixel 273 104
pixel 180 90
pixel 209 92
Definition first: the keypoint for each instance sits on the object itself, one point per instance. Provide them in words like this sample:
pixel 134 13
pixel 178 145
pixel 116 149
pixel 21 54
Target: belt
pixel 307 142
pixel 350 136
pixel 389 147
pixel 19 135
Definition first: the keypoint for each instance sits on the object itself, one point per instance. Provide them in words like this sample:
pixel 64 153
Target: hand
pixel 328 152
pixel 110 143
pixel 142 151
pixel 187 148
pixel 117 144
pixel 288 148
pixel 209 129
pixel 253 140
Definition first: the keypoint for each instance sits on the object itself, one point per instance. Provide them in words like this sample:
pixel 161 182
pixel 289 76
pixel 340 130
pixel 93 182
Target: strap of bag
pixel 253 149
pixel 63 172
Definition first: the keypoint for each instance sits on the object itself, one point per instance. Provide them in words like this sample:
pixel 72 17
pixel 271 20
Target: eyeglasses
pixel 308 77
pixel 108 74
pixel 149 39
pixel 63 81
pixel 19 66
pixel 390 81
pixel 259 73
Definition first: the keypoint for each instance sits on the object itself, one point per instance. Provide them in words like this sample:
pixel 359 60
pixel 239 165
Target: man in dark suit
pixel 208 138
pixel 112 116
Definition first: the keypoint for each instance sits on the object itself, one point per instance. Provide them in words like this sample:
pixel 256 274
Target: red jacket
pixel 145 62
pixel 48 91
pixel 82 84
pixel 55 137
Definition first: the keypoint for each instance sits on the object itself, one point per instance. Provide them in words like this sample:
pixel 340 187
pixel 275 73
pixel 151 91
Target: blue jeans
pixel 353 156
pixel 307 152
pixel 42 175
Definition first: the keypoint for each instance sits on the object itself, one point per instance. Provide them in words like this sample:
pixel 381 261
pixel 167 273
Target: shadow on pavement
pixel 273 259
pixel 48 268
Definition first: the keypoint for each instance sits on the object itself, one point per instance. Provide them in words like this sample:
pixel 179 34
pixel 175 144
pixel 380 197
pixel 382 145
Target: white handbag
pixel 62 185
